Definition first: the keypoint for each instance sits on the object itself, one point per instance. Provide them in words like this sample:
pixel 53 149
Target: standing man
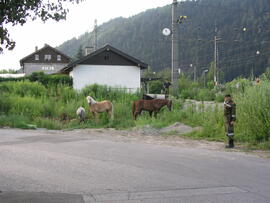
pixel 230 118
pixel 166 86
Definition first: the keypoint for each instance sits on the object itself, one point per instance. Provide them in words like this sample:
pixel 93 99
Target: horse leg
pixel 110 113
pixel 155 114
pixel 150 113
pixel 94 114
pixel 136 114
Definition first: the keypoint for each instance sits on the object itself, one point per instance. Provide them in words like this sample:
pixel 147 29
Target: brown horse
pixel 99 107
pixel 150 105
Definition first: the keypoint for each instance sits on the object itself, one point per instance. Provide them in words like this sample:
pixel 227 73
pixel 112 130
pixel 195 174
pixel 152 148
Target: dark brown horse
pixel 150 105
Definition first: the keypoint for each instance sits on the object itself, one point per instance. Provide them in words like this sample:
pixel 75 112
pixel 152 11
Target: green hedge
pixel 43 79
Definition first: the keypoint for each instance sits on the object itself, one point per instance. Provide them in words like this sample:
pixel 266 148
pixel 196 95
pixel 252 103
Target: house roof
pixel 39 50
pixel 107 47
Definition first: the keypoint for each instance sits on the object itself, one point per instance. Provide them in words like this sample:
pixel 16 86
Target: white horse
pixel 99 107
pixel 81 113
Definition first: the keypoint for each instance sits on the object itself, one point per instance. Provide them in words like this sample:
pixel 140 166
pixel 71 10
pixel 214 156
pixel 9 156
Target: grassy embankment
pixel 25 104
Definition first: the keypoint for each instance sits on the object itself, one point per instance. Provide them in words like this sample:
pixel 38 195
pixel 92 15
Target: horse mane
pixel 90 100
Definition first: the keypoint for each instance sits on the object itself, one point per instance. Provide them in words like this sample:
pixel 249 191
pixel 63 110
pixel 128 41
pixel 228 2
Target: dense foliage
pixel 242 25
pixel 43 79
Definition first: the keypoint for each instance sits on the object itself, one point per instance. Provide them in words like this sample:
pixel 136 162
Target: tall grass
pixel 54 107
pixel 15 121
pixel 24 104
pixel 253 114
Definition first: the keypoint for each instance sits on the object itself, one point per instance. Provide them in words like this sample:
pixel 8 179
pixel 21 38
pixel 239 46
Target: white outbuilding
pixel 106 66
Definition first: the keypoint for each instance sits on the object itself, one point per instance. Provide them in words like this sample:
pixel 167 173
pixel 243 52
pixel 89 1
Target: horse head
pixel 90 100
pixel 169 105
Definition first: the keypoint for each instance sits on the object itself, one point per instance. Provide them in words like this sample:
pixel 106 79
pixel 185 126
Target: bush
pixel 205 95
pixel 238 86
pixel 219 97
pixel 50 80
pixel 156 87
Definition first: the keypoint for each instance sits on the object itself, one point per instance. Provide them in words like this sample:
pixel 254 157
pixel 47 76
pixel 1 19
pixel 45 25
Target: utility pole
pixel 195 73
pixel 95 35
pixel 216 68
pixel 215 60
pixel 175 51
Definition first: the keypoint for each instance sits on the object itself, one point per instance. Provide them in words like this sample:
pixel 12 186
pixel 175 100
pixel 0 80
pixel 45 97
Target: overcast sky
pixel 80 19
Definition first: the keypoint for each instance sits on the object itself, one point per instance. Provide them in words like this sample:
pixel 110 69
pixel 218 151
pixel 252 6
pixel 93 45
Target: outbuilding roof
pixel 39 50
pixel 96 59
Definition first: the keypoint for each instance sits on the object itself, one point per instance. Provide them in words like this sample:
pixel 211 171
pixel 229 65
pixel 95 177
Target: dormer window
pixel 58 57
pixel 36 57
pixel 47 57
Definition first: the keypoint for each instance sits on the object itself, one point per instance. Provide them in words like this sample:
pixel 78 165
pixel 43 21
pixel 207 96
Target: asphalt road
pixel 110 166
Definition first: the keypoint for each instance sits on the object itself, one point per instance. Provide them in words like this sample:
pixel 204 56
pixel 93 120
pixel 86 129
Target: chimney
pixel 88 50
pixel 36 48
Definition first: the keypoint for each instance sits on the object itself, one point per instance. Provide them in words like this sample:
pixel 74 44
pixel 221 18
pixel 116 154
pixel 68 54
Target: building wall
pixel 48 68
pixel 110 75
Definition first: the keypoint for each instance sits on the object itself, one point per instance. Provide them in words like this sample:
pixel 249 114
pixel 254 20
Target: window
pixel 58 57
pixel 47 57
pixel 48 68
pixel 107 57
pixel 36 57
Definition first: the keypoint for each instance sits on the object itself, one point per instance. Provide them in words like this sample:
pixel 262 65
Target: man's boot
pixel 230 144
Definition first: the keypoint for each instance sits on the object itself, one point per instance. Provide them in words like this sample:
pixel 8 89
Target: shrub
pixel 50 80
pixel 205 95
pixel 156 87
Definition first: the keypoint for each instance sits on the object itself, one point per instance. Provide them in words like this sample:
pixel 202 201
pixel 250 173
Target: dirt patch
pixel 175 129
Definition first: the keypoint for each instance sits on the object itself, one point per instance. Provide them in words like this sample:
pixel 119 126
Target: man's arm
pixel 233 112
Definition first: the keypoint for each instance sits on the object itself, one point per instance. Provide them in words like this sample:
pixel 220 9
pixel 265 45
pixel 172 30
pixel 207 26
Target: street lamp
pixel 194 71
pixel 255 65
pixel 204 80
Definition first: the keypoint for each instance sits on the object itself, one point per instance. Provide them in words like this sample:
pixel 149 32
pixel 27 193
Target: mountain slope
pixel 242 25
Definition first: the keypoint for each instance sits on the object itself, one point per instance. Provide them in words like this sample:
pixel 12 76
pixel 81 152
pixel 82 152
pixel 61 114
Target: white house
pixel 106 66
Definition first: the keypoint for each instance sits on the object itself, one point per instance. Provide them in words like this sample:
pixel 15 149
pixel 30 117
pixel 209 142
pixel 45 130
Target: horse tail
pixel 133 108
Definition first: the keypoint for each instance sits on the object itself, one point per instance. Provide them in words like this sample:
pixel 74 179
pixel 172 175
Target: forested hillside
pixel 242 25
